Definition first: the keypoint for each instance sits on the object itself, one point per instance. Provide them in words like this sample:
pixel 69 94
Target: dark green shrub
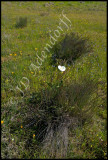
pixel 50 105
pixel 71 47
pixel 53 111
pixel 21 22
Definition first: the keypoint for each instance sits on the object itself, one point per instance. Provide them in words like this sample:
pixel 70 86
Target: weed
pixel 71 47
pixel 21 22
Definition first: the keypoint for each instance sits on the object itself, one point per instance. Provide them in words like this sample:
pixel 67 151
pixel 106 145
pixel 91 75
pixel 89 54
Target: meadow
pixel 45 112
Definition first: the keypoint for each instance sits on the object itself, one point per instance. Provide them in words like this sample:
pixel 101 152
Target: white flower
pixel 62 68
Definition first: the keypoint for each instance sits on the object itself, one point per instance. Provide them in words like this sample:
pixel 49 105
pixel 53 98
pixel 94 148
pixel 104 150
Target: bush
pixel 51 113
pixel 71 47
pixel 21 22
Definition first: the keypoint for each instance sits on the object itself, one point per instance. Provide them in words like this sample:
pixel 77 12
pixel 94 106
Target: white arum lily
pixel 62 68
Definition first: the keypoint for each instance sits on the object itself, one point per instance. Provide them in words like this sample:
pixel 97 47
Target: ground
pixel 20 79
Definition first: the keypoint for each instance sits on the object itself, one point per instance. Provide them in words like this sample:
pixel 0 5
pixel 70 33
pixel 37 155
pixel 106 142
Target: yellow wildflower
pixel 21 126
pixel 2 122
pixel 15 54
pixel 12 72
pixel 32 72
pixel 10 54
pixel 35 49
pixel 6 80
pixel 33 135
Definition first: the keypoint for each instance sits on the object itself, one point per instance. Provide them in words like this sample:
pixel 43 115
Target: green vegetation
pixel 70 48
pixel 21 22
pixel 47 113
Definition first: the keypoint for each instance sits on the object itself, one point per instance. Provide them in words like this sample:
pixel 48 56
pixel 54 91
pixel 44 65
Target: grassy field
pixel 79 92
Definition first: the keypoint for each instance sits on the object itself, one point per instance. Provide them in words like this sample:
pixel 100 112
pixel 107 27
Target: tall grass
pixel 71 47
pixel 21 22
